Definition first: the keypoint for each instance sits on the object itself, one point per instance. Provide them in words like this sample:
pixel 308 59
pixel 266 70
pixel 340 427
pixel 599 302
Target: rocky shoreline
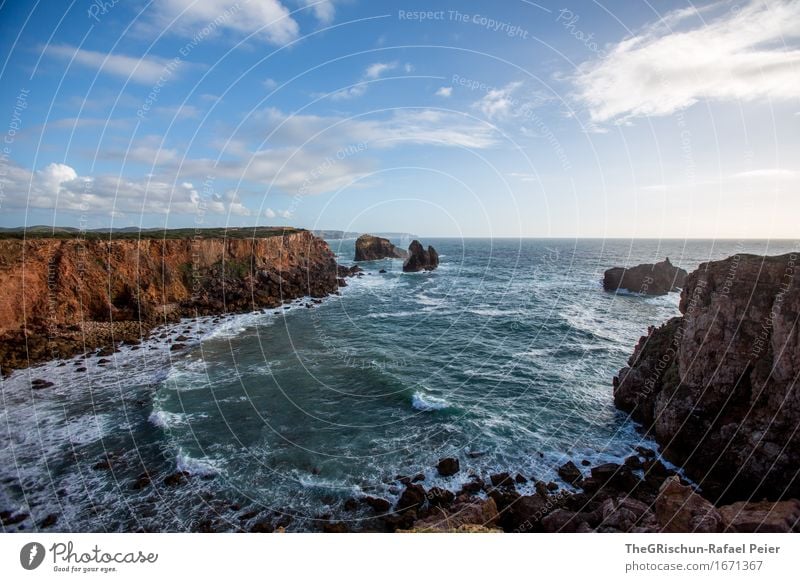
pixel 65 296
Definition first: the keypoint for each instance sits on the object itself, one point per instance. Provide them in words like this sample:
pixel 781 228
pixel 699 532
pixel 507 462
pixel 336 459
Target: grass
pixel 59 233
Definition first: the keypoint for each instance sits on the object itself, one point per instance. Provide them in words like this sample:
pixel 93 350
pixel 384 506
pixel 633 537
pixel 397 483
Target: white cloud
pixel 408 68
pixel 323 10
pixel 375 70
pixel 269 213
pixel 740 54
pixel 372 72
pixel 402 127
pixel 269 83
pixel 268 19
pixel 145 70
pixel 59 187
pixel 350 92
pixel 444 92
pixel 235 205
pixel 500 103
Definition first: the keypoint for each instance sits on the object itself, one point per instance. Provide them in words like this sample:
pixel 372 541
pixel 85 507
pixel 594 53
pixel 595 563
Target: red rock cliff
pixel 50 289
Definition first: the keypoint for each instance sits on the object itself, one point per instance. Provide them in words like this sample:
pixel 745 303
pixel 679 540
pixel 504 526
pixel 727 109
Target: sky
pixel 666 119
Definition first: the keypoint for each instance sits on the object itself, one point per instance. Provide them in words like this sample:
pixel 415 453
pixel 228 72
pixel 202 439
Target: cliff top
pixel 62 233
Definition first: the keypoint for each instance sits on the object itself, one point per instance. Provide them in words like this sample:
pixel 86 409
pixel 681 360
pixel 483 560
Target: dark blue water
pixel 503 357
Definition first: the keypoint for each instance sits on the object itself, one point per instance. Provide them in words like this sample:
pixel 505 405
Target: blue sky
pixel 467 118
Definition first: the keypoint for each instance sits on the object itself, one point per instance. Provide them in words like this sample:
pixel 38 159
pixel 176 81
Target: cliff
pixel 58 294
pixel 717 387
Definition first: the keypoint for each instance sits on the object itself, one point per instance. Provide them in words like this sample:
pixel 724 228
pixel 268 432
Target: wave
pixel 425 402
pixel 200 467
pixel 164 420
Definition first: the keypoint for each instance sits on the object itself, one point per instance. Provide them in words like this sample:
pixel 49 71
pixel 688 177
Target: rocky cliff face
pixel 52 292
pixel 374 248
pixel 648 279
pixel 717 387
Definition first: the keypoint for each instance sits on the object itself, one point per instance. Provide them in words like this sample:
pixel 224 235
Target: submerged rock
pixel 448 466
pixel 419 259
pixel 647 279
pixel 374 248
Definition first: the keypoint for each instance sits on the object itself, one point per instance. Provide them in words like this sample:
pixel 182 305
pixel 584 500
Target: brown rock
pixel 679 509
pixel 448 466
pixel 716 387
pixel 761 516
pixel 374 248
pixel 413 496
pixel 476 512
pixel 648 279
pixel 419 259
pixel 569 472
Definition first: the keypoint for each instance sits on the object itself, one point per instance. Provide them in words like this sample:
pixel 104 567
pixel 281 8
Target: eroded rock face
pixel 717 387
pixel 374 248
pixel 89 293
pixel 647 279
pixel 420 259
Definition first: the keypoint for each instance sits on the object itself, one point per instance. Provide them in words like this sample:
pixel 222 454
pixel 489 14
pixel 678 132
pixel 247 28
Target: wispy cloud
pixel 513 100
pixel 145 70
pixel 742 54
pixel 323 10
pixel 444 92
pixel 371 73
pixel 267 19
pixel 402 127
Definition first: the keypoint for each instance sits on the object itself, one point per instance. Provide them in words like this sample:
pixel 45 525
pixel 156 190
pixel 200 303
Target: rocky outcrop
pixel 717 387
pixel 419 259
pixel 58 296
pixel 374 248
pixel 647 279
pixel 761 516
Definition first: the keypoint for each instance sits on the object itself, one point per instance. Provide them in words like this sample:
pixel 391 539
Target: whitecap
pixel 199 467
pixel 425 402
pixel 164 420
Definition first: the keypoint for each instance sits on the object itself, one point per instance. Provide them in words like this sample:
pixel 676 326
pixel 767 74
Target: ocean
pixel 503 358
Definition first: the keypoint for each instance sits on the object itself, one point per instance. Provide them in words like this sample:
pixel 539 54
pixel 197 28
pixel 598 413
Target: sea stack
pixel 717 386
pixel 419 259
pixel 647 279
pixel 375 248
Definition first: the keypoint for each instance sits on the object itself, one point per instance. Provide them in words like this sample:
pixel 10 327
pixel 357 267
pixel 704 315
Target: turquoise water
pixel 503 357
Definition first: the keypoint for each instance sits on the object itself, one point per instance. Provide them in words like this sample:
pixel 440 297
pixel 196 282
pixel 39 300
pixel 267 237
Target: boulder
pixel 448 466
pixel 378 504
pixel 761 516
pixel 679 509
pixel 413 496
pixel 717 386
pixel 569 472
pixel 439 497
pixel 647 279
pixel 472 515
pixel 374 248
pixel 419 259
